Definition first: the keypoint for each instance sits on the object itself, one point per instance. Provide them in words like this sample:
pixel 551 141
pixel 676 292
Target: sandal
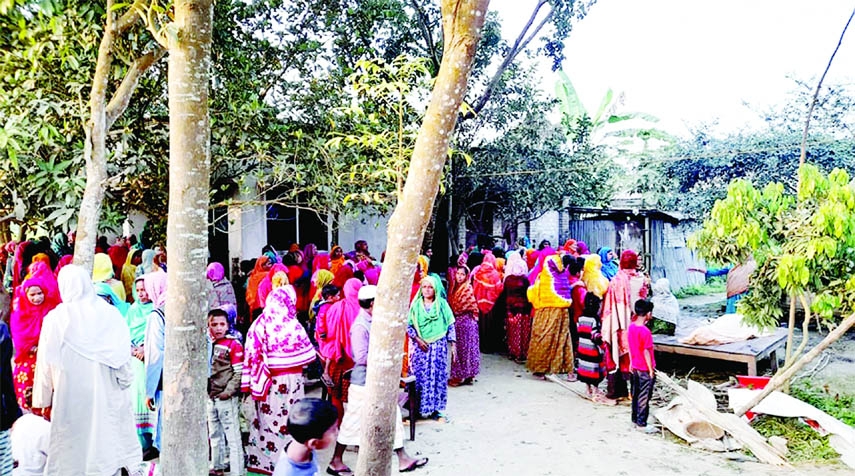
pixel 341 472
pixel 414 465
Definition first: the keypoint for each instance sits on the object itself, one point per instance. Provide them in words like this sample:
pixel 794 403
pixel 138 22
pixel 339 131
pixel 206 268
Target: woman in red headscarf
pixel 627 287
pixel 37 296
pixel 487 286
pixel 464 306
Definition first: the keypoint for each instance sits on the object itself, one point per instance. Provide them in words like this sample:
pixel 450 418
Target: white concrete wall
pixel 371 228
pixel 544 228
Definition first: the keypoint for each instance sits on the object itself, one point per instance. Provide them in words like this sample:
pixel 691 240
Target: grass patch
pixel 804 443
pixel 839 406
pixel 711 286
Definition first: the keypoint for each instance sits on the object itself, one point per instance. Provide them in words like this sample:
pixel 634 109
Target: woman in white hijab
pixel 83 372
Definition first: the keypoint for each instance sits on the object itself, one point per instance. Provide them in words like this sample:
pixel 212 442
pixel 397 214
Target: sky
pixel 690 61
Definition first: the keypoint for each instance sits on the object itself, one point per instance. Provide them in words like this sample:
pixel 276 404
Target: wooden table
pixel 749 351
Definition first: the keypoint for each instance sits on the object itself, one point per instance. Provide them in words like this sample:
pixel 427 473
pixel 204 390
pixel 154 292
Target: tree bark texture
pixel 95 150
pixel 185 438
pixel 462 21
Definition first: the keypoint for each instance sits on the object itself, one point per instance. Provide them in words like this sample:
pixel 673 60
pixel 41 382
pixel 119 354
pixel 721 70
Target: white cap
pixel 367 292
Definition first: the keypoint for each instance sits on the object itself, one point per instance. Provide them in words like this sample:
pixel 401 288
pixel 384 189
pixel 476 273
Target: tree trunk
pixel 462 21
pixel 783 377
pixel 185 440
pixel 95 150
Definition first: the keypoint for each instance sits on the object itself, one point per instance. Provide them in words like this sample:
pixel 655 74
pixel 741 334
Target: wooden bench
pixel 749 352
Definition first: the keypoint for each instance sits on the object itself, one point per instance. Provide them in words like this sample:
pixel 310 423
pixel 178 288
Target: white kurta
pixel 92 424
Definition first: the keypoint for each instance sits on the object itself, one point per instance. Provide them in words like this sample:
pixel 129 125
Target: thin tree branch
pixel 803 154
pixel 426 33
pixel 130 17
pixel 122 97
pixel 520 44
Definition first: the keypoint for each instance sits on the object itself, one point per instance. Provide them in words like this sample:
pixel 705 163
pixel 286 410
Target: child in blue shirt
pixel 313 423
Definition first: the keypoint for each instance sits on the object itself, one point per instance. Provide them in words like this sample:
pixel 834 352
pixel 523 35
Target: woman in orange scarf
pixel 464 306
pixel 262 266
pixel 487 286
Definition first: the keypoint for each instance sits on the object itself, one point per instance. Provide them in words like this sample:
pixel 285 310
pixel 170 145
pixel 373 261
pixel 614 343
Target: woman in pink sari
pixel 627 287
pixel 37 296
pixel 334 342
pixel 277 349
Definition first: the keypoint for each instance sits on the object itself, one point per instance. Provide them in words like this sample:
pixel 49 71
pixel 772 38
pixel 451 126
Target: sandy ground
pixel 509 423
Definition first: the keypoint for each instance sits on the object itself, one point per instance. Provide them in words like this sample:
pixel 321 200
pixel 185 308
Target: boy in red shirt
pixel 226 368
pixel 642 364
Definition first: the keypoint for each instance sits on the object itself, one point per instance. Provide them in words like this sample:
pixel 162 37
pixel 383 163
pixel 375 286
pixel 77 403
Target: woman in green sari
pixel 431 327
pixel 137 319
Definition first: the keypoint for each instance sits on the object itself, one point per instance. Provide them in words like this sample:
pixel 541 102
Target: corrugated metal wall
pixel 670 256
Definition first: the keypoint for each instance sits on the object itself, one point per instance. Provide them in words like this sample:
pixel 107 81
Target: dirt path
pixel 511 424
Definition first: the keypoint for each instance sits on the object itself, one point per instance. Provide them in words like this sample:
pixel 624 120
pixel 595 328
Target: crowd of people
pixel 287 320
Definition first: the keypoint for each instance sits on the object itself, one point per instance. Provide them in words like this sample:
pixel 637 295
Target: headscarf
pixel 583 249
pixel 431 325
pixel 462 299
pixel 531 256
pixel 424 265
pixel 276 278
pixel 272 256
pixel 665 305
pixel 26 319
pixel 215 272
pixel 629 260
pixel 155 287
pixel 340 316
pixel 255 278
pixel 118 254
pixel 551 287
pixel 59 245
pixel 538 266
pixel 129 274
pixel 373 276
pixel 516 265
pixel 102 268
pixel 593 277
pixel 147 264
pixel 342 275
pixel 321 261
pixel 41 258
pixel 610 267
pixel 63 262
pixel 321 278
pixel 487 284
pixel 104 290
pixel 500 266
pixel 336 263
pixel 571 248
pixel 86 323
pixel 231 318
pixel 275 341
pixel 137 316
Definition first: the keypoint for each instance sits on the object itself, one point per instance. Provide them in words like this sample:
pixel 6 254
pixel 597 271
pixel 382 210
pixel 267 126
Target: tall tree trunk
pixel 185 446
pixel 95 150
pixel 462 21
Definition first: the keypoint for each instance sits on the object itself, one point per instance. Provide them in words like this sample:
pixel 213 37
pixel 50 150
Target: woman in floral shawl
pixel 431 327
pixel 517 308
pixel 551 349
pixel 277 349
pixel 627 287
pixel 487 286
pixel 465 309
pixel 37 296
